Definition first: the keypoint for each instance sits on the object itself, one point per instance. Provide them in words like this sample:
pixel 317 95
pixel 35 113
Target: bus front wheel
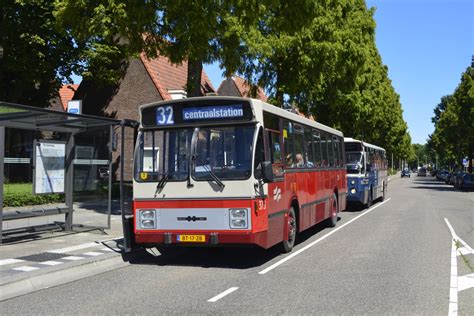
pixel 289 241
pixel 369 199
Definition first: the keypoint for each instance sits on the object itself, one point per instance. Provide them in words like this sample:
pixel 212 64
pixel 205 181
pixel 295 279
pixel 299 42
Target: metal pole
pixel 69 177
pixel 392 161
pixel 109 210
pixel 122 160
pixel 2 156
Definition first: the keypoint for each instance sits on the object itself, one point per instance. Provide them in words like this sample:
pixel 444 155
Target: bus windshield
pixel 163 154
pixel 354 162
pixel 224 151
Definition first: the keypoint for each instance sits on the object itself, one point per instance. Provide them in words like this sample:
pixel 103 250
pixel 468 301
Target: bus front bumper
pixel 200 239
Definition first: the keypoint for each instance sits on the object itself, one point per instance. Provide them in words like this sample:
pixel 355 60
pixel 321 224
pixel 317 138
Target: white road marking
pixel 4 262
pixel 273 266
pixel 74 248
pixel 107 249
pixel 93 253
pixel 226 292
pixel 51 263
pixel 26 268
pixel 72 258
pixel 466 248
pixel 464 251
pixel 465 282
pixel 453 284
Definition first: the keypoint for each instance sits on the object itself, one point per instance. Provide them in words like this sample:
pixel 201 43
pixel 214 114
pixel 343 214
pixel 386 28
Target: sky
pixel 426 45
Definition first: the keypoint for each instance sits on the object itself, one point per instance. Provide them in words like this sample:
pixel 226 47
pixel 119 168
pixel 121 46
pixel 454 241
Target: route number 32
pixel 164 115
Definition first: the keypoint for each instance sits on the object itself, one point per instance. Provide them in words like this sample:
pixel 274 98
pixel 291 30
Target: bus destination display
pixel 187 113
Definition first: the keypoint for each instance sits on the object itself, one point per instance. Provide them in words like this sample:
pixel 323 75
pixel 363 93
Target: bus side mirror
pixel 266 171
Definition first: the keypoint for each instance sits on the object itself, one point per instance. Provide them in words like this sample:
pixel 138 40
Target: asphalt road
pixel 394 258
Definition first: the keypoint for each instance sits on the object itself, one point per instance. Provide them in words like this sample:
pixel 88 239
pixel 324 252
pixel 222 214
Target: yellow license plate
pixel 191 238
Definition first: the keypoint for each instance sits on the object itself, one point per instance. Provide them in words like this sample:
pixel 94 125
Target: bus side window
pixel 317 148
pixel 330 151
pixel 335 146
pixel 275 153
pixel 288 143
pixel 308 141
pixel 341 153
pixel 324 150
pixel 299 152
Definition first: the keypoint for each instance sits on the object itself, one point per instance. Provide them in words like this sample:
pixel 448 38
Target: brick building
pixel 144 81
pixel 238 87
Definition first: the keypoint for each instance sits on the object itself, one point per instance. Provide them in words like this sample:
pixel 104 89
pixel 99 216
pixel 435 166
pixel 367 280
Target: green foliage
pixel 35 56
pixel 321 57
pixel 317 55
pixel 453 138
pixel 20 194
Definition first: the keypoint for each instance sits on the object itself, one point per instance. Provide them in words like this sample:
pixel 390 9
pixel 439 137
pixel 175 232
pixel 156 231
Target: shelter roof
pixel 34 118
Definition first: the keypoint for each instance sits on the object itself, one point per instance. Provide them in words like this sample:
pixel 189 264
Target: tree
pixel 453 138
pixel 35 56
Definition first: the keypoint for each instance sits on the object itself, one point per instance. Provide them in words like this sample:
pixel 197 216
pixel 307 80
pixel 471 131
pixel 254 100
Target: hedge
pixel 21 194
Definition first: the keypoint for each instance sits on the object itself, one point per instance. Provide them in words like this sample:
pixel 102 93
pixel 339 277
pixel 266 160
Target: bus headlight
pixel 147 219
pixel 353 182
pixel 353 191
pixel 238 218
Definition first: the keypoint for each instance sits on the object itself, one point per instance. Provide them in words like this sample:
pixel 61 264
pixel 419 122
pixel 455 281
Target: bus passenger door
pixel 276 190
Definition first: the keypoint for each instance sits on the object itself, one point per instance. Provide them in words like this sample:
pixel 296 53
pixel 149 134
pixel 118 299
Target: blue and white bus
pixel 367 175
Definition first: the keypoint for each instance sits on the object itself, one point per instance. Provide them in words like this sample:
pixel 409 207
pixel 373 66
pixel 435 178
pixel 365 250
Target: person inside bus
pixel 289 160
pixel 299 161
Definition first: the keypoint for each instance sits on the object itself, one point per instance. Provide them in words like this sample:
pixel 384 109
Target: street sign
pixel 74 106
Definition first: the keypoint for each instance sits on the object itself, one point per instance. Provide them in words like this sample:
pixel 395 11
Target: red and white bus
pixel 232 171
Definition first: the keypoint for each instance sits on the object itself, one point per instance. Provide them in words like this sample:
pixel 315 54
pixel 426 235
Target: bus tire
pixel 289 241
pixel 369 199
pixel 332 220
pixel 384 191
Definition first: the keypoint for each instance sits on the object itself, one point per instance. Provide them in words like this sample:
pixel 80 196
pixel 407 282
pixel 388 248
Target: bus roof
pixel 257 104
pixel 352 140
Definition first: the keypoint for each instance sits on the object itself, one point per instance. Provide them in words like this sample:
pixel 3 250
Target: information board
pixel 49 158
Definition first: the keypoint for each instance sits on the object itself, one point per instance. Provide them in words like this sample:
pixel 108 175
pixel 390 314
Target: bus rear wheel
pixel 289 241
pixel 332 220
pixel 384 191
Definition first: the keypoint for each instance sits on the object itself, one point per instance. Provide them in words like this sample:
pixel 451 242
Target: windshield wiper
pixel 213 176
pixel 162 182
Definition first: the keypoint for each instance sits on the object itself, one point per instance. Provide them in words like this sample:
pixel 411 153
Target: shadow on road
pixel 437 188
pixel 225 257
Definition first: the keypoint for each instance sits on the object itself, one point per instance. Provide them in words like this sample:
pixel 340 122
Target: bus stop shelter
pixel 24 117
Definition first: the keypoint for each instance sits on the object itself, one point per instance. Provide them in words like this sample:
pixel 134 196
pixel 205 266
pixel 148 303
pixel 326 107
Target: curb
pixel 35 283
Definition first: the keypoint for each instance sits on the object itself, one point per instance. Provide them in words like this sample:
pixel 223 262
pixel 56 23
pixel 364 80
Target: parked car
pixel 466 182
pixel 456 178
pixel 422 172
pixel 447 179
pixel 441 175
pixel 406 173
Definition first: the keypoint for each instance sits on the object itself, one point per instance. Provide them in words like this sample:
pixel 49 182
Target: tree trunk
pixel 193 85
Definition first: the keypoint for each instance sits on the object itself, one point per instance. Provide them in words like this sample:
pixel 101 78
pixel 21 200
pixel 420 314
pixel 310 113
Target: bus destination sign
pixel 167 115
pixel 213 112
